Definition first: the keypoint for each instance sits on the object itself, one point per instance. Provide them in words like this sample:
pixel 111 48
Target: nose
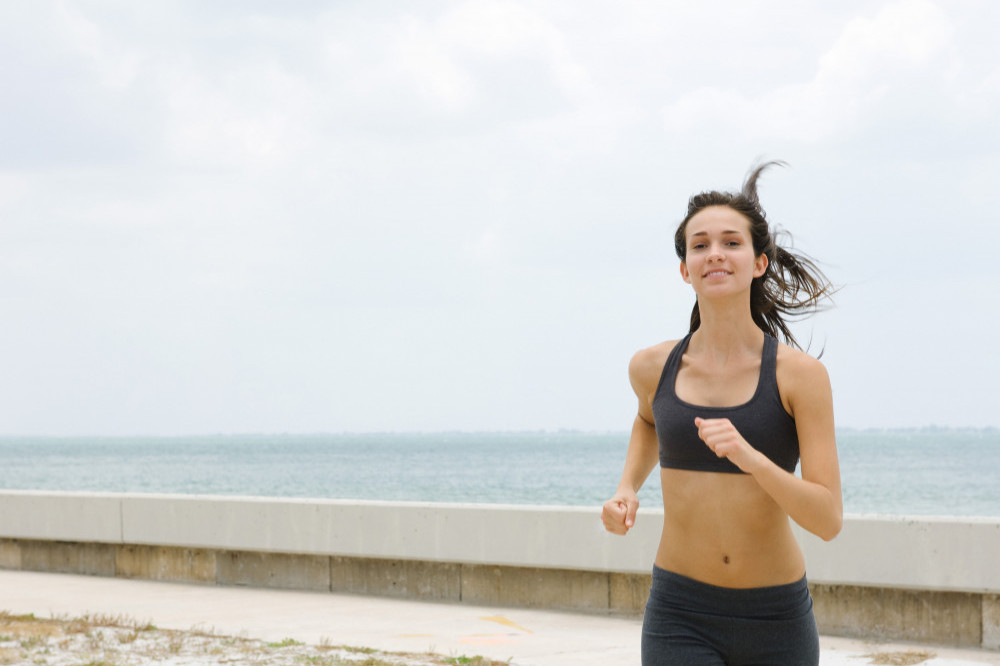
pixel 715 253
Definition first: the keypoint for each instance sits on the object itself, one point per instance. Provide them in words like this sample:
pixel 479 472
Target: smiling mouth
pixel 716 274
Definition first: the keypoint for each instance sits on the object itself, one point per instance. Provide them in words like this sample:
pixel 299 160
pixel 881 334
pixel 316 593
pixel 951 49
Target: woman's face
pixel 720 256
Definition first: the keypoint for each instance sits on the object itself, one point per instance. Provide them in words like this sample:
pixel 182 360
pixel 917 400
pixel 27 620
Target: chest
pixel 717 384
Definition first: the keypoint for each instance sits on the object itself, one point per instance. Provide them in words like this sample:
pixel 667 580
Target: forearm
pixel 643 455
pixel 812 505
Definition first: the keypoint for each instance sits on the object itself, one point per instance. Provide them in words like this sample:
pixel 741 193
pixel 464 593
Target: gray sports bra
pixel 762 420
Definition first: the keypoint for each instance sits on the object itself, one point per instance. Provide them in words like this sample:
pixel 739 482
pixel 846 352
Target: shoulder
pixel 646 366
pixel 796 364
pixel 801 377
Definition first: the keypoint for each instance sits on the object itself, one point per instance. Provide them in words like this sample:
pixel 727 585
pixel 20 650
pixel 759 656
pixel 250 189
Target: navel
pixel 725 559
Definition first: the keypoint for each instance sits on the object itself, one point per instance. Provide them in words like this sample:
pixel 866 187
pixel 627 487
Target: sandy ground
pixel 120 641
pixel 107 641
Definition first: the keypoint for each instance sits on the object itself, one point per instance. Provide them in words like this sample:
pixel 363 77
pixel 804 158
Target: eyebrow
pixel 724 233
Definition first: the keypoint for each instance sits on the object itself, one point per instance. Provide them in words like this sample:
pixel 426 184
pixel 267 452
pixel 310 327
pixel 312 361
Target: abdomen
pixel 723 529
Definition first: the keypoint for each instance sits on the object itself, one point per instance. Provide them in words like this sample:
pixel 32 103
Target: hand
pixel 618 514
pixel 725 440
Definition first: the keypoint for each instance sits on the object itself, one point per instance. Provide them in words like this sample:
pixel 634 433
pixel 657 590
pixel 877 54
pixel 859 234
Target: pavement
pixel 528 637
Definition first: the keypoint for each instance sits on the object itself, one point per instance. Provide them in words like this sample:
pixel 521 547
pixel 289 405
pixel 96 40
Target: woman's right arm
pixel 618 514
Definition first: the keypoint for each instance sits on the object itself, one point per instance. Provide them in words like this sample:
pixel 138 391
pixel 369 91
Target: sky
pixel 302 217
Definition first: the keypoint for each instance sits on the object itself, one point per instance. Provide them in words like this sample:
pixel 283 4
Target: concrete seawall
pixel 925 579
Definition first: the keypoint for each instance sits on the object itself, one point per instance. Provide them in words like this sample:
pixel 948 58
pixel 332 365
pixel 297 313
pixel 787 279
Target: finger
pixel 615 526
pixel 713 427
pixel 613 512
pixel 707 431
pixel 609 523
pixel 699 421
pixel 630 510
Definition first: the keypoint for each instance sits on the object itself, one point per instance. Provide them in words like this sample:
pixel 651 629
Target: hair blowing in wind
pixel 792 287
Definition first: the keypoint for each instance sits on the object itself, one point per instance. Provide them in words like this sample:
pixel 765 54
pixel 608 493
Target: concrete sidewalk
pixel 527 637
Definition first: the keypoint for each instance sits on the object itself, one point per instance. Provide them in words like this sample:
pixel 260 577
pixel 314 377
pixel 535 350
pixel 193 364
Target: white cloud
pixel 257 114
pixel 910 33
pixel 503 30
pixel 869 76
pixel 495 27
pixel 116 67
pixel 438 77
pixel 205 206
pixel 453 57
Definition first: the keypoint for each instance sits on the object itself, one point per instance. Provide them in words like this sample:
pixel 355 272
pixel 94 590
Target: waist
pixel 773 602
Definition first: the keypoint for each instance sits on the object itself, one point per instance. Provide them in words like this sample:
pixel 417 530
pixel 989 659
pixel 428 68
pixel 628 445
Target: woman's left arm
pixel 813 501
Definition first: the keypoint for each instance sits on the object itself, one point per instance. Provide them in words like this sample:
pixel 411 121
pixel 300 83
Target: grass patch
pixel 908 658
pixel 6 617
pixel 110 640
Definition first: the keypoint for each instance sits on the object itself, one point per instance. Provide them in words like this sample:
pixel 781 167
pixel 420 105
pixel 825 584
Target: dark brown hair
pixel 791 287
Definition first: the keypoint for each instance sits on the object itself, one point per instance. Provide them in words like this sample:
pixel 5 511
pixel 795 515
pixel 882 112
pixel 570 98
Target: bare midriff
pixel 723 529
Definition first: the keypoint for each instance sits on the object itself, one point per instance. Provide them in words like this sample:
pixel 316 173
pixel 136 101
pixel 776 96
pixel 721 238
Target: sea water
pixel 932 471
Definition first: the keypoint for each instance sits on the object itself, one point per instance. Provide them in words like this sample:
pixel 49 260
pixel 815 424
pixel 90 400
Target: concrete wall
pixel 931 579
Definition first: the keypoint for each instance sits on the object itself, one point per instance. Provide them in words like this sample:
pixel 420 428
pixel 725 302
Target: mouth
pixel 717 273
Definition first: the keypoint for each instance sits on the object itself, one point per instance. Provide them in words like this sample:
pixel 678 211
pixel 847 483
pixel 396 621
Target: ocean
pixel 929 471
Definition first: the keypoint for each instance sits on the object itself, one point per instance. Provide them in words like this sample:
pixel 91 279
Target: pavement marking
pixel 499 619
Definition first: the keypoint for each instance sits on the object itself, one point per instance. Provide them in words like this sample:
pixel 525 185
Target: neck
pixel 727 327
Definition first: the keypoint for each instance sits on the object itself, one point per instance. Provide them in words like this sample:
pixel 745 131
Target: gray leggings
pixel 690 622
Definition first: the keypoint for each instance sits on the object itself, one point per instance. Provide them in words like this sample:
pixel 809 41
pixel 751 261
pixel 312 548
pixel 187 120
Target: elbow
pixel 831 531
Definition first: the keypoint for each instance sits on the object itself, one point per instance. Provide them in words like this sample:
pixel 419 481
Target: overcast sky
pixel 236 217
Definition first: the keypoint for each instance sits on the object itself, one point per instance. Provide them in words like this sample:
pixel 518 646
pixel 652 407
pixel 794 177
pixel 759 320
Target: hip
pixel 691 622
pixel 673 591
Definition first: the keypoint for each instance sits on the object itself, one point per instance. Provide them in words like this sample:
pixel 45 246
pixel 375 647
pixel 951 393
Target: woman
pixel 728 411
